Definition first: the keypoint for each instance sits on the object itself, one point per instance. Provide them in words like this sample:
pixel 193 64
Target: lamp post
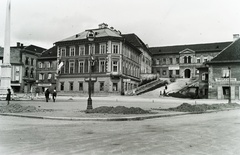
pixel 229 99
pixel 90 37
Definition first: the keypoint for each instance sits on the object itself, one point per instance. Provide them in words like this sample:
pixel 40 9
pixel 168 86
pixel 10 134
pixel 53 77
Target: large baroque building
pixel 182 61
pixel 117 61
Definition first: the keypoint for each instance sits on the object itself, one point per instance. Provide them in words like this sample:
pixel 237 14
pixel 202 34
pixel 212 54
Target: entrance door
pixel 187 73
pixel 226 92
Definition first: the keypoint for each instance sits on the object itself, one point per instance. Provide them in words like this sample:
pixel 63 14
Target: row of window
pixel 129 53
pixel 45 76
pixel 29 73
pixel 81 86
pixel 131 69
pixel 102 66
pixel 62 51
pixel 47 64
pixel 186 59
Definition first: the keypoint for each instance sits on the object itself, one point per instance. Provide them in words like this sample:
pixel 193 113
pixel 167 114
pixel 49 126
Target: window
pixel 62 70
pixel 72 51
pixel 102 66
pixel 164 72
pixel 32 61
pixel 31 73
pixel 81 50
pixel 171 60
pixel 115 48
pixel 177 60
pixel 177 72
pixel 185 59
pixel 41 76
pixel 71 67
pixel 157 61
pixel 225 73
pixel 198 60
pixel 205 60
pixel 81 67
pixel 71 86
pixel 91 49
pixel 115 87
pixel 189 59
pixel 164 60
pixel 48 64
pixel 80 86
pixel 26 72
pixel 102 49
pixel 49 76
pixel 40 65
pixel 27 61
pixel 63 52
pixel 62 86
pixel 115 66
pixel 101 86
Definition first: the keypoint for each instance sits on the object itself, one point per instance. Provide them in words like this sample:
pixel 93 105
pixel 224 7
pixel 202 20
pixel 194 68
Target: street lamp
pixel 229 99
pixel 90 37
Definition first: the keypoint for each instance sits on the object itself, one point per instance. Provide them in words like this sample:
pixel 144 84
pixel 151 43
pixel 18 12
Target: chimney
pixel 18 44
pixel 102 26
pixel 235 37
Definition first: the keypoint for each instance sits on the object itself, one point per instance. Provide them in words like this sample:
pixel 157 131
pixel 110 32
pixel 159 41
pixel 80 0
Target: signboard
pixel 44 84
pixel 126 80
pixel 225 79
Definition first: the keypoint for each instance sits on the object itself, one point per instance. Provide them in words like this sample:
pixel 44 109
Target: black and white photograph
pixel 119 77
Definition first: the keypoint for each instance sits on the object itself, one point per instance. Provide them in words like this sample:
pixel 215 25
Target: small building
pixel 47 70
pixel 224 73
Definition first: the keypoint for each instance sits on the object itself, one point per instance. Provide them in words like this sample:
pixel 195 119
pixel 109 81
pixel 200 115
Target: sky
pixel 156 22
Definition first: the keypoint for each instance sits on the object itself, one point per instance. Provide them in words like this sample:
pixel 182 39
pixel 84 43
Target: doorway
pixel 187 73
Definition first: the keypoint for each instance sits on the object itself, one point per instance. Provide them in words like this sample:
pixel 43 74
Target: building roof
pixel 50 53
pixel 230 54
pixel 206 47
pixel 35 49
pixel 136 41
pixel 101 32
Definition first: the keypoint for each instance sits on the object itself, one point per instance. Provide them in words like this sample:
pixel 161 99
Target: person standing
pixel 54 95
pixel 47 95
pixel 8 96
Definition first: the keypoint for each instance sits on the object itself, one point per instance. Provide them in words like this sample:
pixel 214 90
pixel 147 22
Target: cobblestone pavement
pixel 202 134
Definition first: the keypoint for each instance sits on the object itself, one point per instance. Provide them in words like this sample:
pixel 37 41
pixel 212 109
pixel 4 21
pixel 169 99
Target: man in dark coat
pixel 47 95
pixel 8 96
pixel 54 94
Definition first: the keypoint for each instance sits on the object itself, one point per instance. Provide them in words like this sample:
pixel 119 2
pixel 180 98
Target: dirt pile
pixel 185 107
pixel 17 108
pixel 118 110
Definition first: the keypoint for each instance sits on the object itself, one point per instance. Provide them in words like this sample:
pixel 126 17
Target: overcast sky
pixel 156 22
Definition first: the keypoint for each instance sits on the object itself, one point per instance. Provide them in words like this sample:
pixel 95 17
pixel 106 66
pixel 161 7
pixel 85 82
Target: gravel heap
pixel 17 108
pixel 185 107
pixel 117 110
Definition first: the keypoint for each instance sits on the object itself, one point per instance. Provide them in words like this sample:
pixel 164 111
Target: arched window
pixel 26 72
pixel 31 73
pixel 185 59
pixel 189 59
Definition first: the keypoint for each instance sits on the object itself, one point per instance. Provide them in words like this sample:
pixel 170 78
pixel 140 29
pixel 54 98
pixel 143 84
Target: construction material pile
pixel 17 108
pixel 118 110
pixel 185 107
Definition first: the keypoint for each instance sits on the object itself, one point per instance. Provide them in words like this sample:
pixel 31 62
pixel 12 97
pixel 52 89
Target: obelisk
pixel 6 66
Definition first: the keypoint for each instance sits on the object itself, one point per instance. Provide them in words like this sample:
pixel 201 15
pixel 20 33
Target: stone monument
pixel 6 66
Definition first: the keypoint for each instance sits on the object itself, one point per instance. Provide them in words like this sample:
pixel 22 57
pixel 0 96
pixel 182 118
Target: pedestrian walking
pixel 166 86
pixel 8 98
pixel 54 95
pixel 47 95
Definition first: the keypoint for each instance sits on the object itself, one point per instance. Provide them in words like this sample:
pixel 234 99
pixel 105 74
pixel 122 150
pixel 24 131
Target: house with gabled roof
pixel 224 73
pixel 182 61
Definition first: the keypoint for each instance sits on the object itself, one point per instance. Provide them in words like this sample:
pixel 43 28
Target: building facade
pixel 224 73
pixel 23 67
pixel 115 62
pixel 47 70
pixel 182 61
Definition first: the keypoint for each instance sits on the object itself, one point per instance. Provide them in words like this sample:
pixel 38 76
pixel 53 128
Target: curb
pixel 134 118
pixel 137 118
